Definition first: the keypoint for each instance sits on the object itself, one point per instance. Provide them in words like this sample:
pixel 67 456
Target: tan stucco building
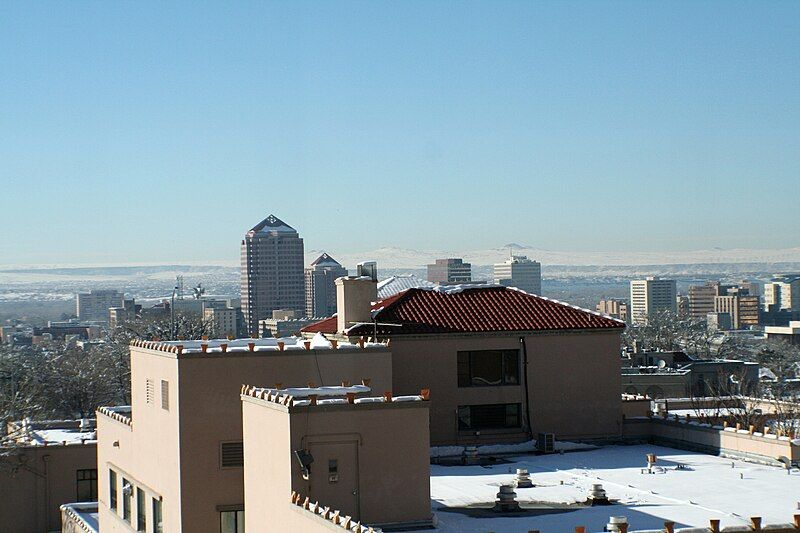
pixel 175 456
pixel 501 364
pixel 49 463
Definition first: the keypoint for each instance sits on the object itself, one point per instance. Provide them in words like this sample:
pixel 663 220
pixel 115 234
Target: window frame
pixel 513 406
pixel 126 500
pixel 238 521
pixel 141 510
pixel 82 481
pixel 465 368
pixel 113 490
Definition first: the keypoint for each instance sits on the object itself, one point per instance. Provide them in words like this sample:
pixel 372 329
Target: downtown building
pixel 320 286
pixel 650 296
pixel 520 272
pixel 272 271
pixel 94 305
pixel 450 271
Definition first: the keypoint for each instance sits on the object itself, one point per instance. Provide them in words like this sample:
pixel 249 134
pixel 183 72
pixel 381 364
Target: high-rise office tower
pixel 320 286
pixel 520 272
pixel 272 271
pixel 450 271
pixel 651 295
pixel 94 305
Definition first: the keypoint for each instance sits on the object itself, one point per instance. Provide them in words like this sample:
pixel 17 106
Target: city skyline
pixel 585 127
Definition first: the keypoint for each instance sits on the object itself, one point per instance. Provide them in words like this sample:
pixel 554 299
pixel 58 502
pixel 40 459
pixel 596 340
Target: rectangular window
pixel 86 483
pixel 493 416
pixel 158 521
pixel 165 394
pixel 112 489
pixel 231 454
pixel 488 368
pixel 127 492
pixel 150 391
pixel 231 522
pixel 141 518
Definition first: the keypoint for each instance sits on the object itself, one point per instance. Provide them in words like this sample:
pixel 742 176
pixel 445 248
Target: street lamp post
pixel 172 315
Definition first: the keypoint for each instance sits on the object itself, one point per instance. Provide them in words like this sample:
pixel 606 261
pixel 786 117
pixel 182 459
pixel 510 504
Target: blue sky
pixel 136 131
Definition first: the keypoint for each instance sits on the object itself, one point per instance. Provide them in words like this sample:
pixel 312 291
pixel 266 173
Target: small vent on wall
pixel 165 394
pixel 231 454
pixel 150 391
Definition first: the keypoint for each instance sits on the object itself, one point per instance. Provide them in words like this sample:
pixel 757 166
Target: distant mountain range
pixel 398 258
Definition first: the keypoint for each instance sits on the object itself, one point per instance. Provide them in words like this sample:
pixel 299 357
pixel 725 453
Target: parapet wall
pixel 734 441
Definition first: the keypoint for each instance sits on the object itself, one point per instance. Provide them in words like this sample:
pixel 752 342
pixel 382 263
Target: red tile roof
pixel 476 309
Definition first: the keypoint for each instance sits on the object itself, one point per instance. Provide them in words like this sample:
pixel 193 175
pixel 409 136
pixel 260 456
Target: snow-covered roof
pixel 239 346
pixel 707 487
pixel 396 284
pixel 84 514
pixel 52 432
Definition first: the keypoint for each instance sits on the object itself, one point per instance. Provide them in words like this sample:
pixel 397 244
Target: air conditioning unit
pixel 546 442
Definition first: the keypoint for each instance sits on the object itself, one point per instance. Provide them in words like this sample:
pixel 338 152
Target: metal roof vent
pixel 506 500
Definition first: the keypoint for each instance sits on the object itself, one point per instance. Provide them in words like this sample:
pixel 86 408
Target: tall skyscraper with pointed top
pixel 272 271
pixel 320 286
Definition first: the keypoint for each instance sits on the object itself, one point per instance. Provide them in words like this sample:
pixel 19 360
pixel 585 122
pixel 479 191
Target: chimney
pixel 354 297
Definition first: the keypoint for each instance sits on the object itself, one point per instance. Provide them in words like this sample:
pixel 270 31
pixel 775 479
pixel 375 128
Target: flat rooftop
pixel 706 487
pixel 286 344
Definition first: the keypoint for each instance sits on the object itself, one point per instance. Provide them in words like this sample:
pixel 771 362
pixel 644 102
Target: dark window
pixel 86 485
pixel 231 522
pixel 112 489
pixel 141 518
pixel 488 368
pixel 493 416
pixel 231 454
pixel 127 491
pixel 158 521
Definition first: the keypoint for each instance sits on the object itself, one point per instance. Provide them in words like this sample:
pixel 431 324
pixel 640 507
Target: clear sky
pixel 143 131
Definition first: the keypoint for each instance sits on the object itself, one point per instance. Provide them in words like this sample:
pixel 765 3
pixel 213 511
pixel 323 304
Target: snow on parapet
pixel 333 516
pixel 343 395
pixel 319 342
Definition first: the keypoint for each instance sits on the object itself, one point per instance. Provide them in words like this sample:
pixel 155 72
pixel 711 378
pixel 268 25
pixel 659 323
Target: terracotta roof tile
pixel 475 309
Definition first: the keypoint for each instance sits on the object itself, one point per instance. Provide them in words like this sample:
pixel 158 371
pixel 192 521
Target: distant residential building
pixel 782 294
pixel 719 321
pixel 284 323
pixel 118 316
pixel 320 286
pixel 450 271
pixel 94 305
pixel 650 296
pixel 615 308
pixel 221 321
pixel 395 284
pixel 682 305
pixel 272 271
pixel 790 333
pixel 701 298
pixel 520 272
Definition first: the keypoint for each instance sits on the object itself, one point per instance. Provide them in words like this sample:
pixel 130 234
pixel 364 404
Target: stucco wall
pixel 36 480
pixel 574 383
pixel 391 465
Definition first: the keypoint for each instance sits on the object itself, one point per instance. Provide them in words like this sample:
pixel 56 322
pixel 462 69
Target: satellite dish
pixel 662 363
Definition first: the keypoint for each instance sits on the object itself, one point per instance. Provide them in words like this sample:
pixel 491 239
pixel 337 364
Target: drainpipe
pixel 527 391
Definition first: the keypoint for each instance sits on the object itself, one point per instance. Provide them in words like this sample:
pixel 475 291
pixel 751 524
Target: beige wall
pixel 175 454
pixel 381 449
pixel 36 480
pixel 574 383
pixel 714 438
pixel 147 454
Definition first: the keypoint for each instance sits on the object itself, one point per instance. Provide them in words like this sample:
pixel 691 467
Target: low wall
pixel 713 527
pixel 746 444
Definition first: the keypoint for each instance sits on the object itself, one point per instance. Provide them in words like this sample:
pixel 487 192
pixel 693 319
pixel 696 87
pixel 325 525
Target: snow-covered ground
pixel 708 488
